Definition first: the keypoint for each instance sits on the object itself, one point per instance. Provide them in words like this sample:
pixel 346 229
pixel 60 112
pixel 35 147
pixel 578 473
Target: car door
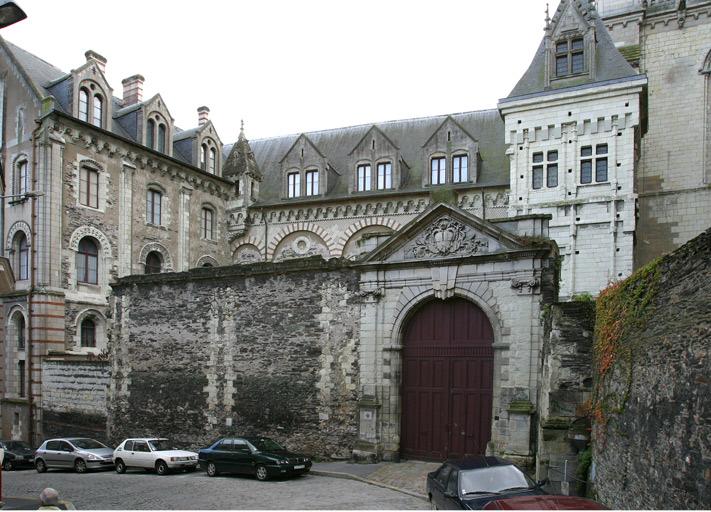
pixel 65 455
pixel 126 454
pixel 142 456
pixel 51 453
pixel 440 486
pixel 451 495
pixel 243 458
pixel 222 456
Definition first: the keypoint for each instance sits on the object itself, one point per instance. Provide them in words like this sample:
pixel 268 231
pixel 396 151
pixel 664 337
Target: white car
pixel 152 453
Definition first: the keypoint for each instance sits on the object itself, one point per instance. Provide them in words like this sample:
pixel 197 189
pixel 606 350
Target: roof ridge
pixel 376 124
pixel 14 46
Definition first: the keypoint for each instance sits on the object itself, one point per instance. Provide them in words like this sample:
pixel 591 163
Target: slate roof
pixel 408 135
pixel 609 64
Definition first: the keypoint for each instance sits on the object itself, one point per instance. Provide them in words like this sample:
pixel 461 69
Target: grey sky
pixel 295 66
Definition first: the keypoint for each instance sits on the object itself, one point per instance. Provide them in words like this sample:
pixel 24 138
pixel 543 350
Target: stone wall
pixel 652 432
pixel 74 394
pixel 566 385
pixel 266 349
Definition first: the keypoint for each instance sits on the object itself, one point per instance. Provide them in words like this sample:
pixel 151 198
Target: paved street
pixel 140 490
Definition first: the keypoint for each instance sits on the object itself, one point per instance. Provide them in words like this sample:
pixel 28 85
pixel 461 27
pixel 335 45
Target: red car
pixel 547 502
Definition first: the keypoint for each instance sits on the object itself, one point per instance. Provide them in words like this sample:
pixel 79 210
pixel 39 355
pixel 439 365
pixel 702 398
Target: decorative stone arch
pixel 250 240
pixel 14 185
pixel 247 253
pixel 101 331
pixel 91 231
pixel 412 297
pixel 10 351
pixel 17 227
pixel 159 248
pixel 206 259
pixel 301 226
pixel 362 223
pixel 10 334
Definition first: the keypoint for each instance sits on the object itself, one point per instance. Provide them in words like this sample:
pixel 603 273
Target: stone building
pixel 443 220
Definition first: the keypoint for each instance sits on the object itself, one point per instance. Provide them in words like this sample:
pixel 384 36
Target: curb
pixel 348 476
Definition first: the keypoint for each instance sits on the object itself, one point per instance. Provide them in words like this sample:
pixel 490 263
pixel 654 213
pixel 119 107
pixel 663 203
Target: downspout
pixel 266 228
pixel 33 281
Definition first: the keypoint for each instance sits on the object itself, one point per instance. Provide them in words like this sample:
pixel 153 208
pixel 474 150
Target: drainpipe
pixel 33 281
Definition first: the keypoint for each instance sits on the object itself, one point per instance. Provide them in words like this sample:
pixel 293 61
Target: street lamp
pixel 10 13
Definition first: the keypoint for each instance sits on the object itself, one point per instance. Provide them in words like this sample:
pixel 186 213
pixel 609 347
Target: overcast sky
pixel 296 66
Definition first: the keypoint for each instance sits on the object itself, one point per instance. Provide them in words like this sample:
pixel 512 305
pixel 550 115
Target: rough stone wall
pixel 654 451
pixel 566 384
pixel 74 395
pixel 267 349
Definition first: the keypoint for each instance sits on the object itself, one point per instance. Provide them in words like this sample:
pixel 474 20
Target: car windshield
pixel 494 479
pixel 17 445
pixel 159 445
pixel 264 444
pixel 88 444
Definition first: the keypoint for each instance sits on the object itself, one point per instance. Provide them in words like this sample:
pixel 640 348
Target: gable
pixel 374 140
pixel 441 233
pixel 303 153
pixel 449 133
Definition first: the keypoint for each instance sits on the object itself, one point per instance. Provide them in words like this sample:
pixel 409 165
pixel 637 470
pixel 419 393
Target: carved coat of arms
pixel 447 237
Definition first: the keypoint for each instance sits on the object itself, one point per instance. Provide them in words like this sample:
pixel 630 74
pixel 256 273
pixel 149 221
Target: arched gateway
pixel 448 373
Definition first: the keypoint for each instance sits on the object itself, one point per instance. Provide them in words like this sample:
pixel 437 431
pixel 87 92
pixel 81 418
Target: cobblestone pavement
pixel 408 475
pixel 142 490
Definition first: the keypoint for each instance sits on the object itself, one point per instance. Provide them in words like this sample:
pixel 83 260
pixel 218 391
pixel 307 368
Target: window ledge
pixel 91 208
pixel 157 226
pixel 572 75
pixel 209 241
pixel 594 184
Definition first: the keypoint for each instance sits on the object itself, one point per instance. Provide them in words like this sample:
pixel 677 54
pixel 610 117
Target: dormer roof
pixel 240 160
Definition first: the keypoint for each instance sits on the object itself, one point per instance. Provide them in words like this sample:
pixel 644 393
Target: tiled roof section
pixel 631 53
pixel 409 135
pixel 241 160
pixel 609 63
pixel 41 73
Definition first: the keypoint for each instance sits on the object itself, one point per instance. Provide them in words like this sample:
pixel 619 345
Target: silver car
pixel 80 453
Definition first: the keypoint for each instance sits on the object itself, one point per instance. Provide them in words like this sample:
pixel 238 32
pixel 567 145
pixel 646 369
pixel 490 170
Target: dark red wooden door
pixel 448 373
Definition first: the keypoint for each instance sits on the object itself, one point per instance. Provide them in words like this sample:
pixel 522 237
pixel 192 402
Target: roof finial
pixel 548 18
pixel 241 125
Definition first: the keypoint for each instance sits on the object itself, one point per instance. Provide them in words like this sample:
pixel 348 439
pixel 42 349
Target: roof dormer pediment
pixel 447 132
pixel 571 17
pixel 157 104
pixel 374 140
pixel 303 152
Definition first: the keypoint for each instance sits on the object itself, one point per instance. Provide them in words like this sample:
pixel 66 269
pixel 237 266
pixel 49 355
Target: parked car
pixel 18 454
pixel 258 456
pixel 471 483
pixel 544 503
pixel 80 453
pixel 153 453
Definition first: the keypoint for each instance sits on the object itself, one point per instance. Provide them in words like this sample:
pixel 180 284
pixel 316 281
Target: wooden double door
pixel 447 385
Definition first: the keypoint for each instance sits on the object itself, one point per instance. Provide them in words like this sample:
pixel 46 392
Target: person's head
pixel 49 496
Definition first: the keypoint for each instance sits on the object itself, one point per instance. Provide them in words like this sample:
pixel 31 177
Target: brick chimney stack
pixel 203 115
pixel 100 61
pixel 132 90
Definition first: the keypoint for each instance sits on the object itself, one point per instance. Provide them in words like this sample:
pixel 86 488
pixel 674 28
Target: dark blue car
pixel 471 483
pixel 258 456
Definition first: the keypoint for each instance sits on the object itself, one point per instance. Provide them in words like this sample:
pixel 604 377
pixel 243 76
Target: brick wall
pixel 267 349
pixel 653 452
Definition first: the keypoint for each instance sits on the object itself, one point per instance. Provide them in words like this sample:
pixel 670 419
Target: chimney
pixel 203 115
pixel 92 56
pixel 132 90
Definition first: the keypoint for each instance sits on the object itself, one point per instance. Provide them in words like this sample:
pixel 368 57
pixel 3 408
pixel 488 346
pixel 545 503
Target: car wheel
pixel 80 466
pixel 161 467
pixel 433 506
pixel 212 469
pixel 261 473
pixel 40 466
pixel 8 465
pixel 120 466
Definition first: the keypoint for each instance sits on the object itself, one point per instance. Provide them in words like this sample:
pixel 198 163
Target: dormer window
pixel 311 183
pixel 385 175
pixel 203 157
pixel 569 56
pixel 156 132
pixel 151 134
pixel 363 177
pixel 212 165
pixel 460 168
pixel 98 111
pixel 84 104
pixel 438 168
pixel 293 185
pixel 161 138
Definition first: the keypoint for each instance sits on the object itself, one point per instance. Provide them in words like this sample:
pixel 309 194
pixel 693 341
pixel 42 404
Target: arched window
pixel 207 265
pixel 20 331
pixel 22 177
pixel 161 138
pixel 98 110
pixel 88 333
pixel 213 161
pixel 151 134
pixel 88 261
pixel 208 223
pixel 203 157
pixel 22 258
pixel 84 104
pixel 154 263
pixel 154 201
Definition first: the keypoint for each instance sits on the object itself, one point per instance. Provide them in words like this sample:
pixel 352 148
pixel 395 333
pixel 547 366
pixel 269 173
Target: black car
pixel 471 483
pixel 18 454
pixel 258 456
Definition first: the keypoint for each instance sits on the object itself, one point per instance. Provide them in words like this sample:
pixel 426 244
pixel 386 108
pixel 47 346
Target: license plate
pixel 301 466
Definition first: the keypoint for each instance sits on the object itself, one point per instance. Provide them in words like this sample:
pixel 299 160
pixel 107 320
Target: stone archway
pixel 447 381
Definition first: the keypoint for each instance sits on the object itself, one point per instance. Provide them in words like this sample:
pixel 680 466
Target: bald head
pixel 49 496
